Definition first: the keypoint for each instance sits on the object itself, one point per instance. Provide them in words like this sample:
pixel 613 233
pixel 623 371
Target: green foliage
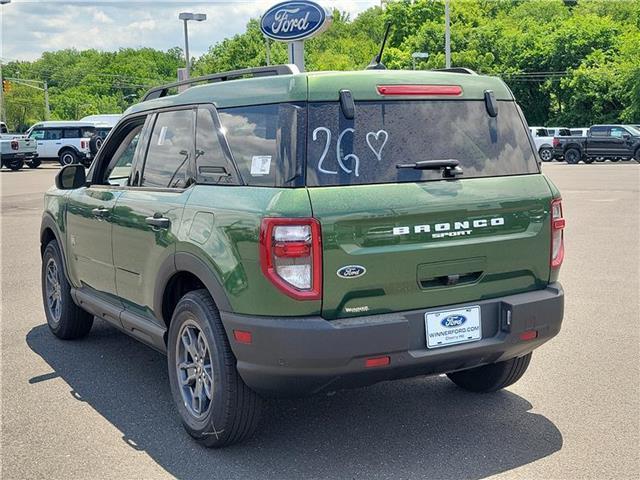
pixel 569 62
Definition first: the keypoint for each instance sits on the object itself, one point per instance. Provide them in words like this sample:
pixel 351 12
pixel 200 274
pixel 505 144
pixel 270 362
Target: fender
pixel 187 262
pixel 48 222
pixel 71 147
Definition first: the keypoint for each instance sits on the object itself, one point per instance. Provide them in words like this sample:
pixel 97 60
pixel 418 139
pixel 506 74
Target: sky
pixel 30 27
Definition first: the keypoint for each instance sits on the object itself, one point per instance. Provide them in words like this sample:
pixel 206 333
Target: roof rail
pixel 272 70
pixel 468 71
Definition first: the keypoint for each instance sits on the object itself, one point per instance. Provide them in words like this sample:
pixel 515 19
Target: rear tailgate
pixel 430 244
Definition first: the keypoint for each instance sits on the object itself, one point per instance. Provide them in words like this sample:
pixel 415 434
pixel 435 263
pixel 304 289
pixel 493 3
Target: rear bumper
pixel 307 355
pixel 26 156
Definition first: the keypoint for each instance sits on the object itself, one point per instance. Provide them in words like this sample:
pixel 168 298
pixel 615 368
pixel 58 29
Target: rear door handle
pixel 158 222
pixel 100 212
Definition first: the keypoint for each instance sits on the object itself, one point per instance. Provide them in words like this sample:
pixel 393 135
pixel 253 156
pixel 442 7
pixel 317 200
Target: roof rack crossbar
pixel 468 71
pixel 265 71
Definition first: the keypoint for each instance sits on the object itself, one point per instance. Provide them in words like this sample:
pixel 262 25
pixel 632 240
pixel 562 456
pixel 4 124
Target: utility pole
pixel 47 112
pixel 2 115
pixel 268 47
pixel 44 88
pixel 447 34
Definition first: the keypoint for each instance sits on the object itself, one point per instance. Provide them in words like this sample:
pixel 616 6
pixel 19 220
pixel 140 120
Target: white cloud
pixel 30 27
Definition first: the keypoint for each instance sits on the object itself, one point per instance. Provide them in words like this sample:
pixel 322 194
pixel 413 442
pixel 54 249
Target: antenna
pixel 376 63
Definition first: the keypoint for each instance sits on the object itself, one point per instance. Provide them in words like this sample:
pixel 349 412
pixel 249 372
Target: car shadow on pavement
pixel 423 427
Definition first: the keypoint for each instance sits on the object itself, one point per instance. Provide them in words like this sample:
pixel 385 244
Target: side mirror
pixel 71 177
pixel 626 136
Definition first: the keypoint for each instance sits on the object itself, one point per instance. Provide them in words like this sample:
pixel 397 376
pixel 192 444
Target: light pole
pixel 2 116
pixel 447 34
pixel 185 17
pixel 416 55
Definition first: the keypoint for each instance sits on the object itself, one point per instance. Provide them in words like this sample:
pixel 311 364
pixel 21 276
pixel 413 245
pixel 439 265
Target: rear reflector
pixel 421 90
pixel 377 361
pixel 242 336
pixel 529 335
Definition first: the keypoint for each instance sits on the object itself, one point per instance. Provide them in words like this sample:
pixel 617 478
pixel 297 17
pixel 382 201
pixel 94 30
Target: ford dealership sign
pixel 293 21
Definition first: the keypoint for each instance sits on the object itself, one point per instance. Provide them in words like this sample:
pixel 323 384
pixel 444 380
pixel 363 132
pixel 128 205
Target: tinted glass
pixel 71 133
pixel 599 131
pixel 53 134
pixel 618 132
pixel 265 142
pixel 87 132
pixel 541 132
pixel 169 150
pixel 564 132
pixel 119 169
pixel 212 165
pixel 384 134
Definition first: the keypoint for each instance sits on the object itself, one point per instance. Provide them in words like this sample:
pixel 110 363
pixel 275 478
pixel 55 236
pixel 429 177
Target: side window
pixel 599 131
pixel 618 132
pixel 212 165
pixel 53 134
pixel 71 133
pixel 541 132
pixel 119 170
pixel 170 148
pixel 37 134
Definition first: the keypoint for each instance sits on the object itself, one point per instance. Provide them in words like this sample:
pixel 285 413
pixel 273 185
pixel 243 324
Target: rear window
pixel 265 142
pixel 384 134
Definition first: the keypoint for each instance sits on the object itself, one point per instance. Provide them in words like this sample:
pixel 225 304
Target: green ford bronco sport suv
pixel 286 233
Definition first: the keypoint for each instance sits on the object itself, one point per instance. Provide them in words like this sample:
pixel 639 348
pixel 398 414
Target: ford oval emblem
pixel 291 21
pixel 453 321
pixel 351 271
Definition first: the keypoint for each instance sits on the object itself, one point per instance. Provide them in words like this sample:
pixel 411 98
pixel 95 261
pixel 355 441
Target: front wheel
pixel 68 157
pixel 636 156
pixel 215 405
pixel 34 163
pixel 572 156
pixel 493 377
pixel 546 154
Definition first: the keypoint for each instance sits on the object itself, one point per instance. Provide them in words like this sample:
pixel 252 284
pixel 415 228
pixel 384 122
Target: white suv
pixel 68 141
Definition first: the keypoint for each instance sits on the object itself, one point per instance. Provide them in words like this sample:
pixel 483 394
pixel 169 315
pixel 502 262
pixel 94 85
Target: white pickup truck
pixel 16 150
pixel 543 142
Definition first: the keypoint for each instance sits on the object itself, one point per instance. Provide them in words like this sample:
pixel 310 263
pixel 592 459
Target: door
pixel 598 141
pixel 618 144
pixel 148 214
pixel 52 142
pixel 38 136
pixel 90 216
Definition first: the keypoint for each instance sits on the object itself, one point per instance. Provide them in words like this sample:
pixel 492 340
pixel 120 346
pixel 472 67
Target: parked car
pixel 68 141
pixel 286 233
pixel 612 142
pixel 16 151
pixel 543 142
pixel 103 124
pixel 558 131
pixel 579 132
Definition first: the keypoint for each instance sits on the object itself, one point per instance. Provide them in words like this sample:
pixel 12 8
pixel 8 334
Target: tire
pixel 67 157
pixel 614 159
pixel 493 377
pixel 14 165
pixel 636 156
pixel 572 156
pixel 588 160
pixel 35 163
pixel 546 154
pixel 65 319
pixel 231 411
pixel 94 144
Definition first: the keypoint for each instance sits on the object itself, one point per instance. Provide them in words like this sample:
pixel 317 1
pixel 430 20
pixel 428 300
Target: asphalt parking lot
pixel 101 407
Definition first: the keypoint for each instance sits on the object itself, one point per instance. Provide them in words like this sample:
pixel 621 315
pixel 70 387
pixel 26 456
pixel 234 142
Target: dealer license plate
pixel 452 327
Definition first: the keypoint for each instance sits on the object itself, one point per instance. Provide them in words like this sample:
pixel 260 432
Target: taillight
pixel 291 256
pixel 83 144
pixel 556 142
pixel 421 90
pixel 15 145
pixel 557 237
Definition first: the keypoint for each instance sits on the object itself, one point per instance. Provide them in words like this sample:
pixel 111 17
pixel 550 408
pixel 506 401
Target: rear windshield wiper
pixel 450 167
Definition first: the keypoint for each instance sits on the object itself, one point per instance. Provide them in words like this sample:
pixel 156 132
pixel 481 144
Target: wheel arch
pixel 48 232
pixel 180 274
pixel 68 147
pixel 577 146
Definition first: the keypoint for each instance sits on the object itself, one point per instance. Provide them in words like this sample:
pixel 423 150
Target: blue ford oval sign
pixel 351 271
pixel 453 321
pixel 291 21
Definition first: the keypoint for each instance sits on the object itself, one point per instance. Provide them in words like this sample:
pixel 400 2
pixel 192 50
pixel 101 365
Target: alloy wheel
pixel 194 369
pixel 53 289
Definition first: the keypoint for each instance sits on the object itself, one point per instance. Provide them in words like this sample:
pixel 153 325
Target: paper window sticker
pixel 260 165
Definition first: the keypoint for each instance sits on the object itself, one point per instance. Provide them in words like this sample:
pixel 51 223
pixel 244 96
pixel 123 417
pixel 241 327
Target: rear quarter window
pixel 383 134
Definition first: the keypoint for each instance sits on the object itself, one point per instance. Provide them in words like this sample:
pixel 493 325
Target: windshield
pixel 633 131
pixel 384 134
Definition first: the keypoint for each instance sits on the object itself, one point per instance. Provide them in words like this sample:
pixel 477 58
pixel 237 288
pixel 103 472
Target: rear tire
pixel 588 160
pixel 546 154
pixel 68 157
pixel 215 405
pixel 14 165
pixel 493 377
pixel 636 156
pixel 65 319
pixel 572 156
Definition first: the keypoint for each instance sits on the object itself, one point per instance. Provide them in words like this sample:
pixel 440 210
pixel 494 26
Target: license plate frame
pixel 438 324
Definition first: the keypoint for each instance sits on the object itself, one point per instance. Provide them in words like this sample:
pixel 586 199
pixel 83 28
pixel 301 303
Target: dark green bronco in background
pixel 285 233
